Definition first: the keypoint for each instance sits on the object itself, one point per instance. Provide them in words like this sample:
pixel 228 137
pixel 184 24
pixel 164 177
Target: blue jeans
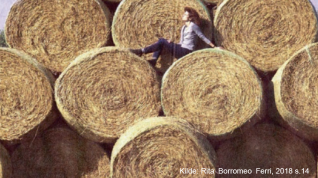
pixel 175 49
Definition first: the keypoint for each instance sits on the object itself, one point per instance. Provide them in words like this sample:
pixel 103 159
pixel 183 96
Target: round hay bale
pixel 265 33
pixel 103 91
pixel 139 23
pixel 55 32
pixel 26 96
pixel 161 147
pixel 60 152
pixel 295 90
pixel 5 163
pixel 216 90
pixel 267 146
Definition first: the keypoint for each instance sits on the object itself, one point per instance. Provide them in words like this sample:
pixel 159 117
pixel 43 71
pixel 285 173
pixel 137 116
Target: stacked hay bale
pixel 55 32
pixel 103 91
pixel 5 163
pixel 265 33
pixel 26 96
pixel 296 92
pixel 216 90
pixel 60 152
pixel 161 147
pixel 139 23
pixel 269 147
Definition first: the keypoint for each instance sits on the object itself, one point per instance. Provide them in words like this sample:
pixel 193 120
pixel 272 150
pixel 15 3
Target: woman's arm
pixel 198 31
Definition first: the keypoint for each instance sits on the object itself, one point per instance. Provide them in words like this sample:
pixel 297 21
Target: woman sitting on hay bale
pixel 189 36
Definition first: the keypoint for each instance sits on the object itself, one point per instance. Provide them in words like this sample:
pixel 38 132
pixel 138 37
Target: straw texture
pixel 103 91
pixel 265 33
pixel 5 163
pixel 217 2
pixel 55 32
pixel 159 147
pixel 112 1
pixel 139 23
pixel 60 153
pixel 26 95
pixel 295 90
pixel 267 146
pixel 215 90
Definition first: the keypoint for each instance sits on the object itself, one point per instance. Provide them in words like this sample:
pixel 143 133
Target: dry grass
pixel 55 32
pixel 295 90
pixel 139 23
pixel 265 33
pixel 216 90
pixel 103 91
pixel 216 2
pixel 267 146
pixel 60 153
pixel 26 95
pixel 159 147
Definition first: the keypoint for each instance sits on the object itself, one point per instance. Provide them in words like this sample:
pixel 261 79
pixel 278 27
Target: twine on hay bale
pixel 26 96
pixel 5 163
pixel 159 147
pixel 216 90
pixel 265 33
pixel 60 152
pixel 295 90
pixel 139 23
pixel 103 91
pixel 55 32
pixel 267 146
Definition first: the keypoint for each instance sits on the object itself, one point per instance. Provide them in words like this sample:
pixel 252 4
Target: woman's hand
pixel 212 45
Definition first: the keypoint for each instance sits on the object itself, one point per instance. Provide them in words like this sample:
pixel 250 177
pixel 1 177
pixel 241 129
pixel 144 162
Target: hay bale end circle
pixel 160 147
pixel 103 91
pixel 55 32
pixel 265 33
pixel 26 95
pixel 214 89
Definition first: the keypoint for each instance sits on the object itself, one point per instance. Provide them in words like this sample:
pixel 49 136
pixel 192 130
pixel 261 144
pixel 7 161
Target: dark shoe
pixel 152 62
pixel 138 52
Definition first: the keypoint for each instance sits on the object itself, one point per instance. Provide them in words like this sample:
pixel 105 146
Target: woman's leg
pixel 179 52
pixel 175 49
pixel 157 47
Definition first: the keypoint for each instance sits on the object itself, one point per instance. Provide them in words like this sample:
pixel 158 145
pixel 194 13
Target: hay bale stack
pixel 60 152
pixel 295 90
pixel 216 90
pixel 55 32
pixel 139 23
pixel 265 33
pixel 103 91
pixel 267 146
pixel 5 163
pixel 26 96
pixel 160 147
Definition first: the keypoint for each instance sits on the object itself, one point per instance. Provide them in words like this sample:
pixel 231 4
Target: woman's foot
pixel 152 62
pixel 138 52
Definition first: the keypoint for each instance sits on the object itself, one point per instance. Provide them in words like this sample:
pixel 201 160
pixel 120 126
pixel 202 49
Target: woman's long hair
pixel 193 15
